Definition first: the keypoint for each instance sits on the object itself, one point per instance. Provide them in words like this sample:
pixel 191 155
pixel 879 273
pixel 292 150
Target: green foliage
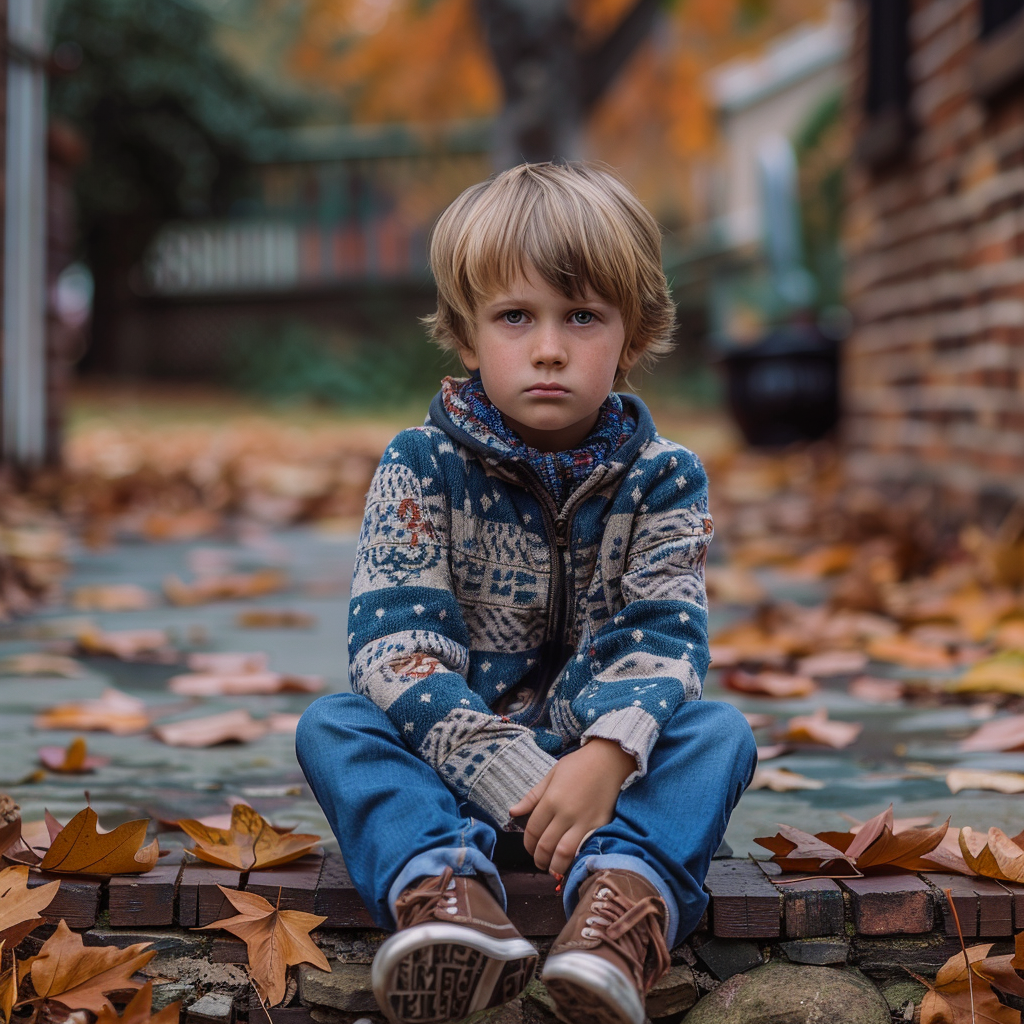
pixel 292 362
pixel 166 117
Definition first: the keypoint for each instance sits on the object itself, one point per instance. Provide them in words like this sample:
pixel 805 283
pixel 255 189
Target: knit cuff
pixel 508 777
pixel 634 729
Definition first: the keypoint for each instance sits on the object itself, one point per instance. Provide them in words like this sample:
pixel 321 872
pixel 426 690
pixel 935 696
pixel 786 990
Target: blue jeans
pixel 396 821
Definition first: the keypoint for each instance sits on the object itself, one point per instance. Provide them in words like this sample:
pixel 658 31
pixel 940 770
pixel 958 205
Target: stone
pixel 782 993
pixel 171 992
pixel 535 992
pixel 898 993
pixel 821 952
pixel 726 957
pixel 213 1008
pixel 675 992
pixel 346 987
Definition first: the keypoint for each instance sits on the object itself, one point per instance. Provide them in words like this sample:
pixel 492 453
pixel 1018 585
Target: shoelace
pixel 628 927
pixel 416 906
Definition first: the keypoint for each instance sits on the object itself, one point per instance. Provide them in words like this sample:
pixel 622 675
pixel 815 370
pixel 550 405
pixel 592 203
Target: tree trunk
pixel 550 82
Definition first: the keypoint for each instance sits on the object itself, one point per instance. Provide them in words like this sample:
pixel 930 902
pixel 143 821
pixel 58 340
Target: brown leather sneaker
pixel 611 951
pixel 454 953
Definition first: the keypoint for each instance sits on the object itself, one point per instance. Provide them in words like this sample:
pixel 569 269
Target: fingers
pixel 557 847
pixel 530 801
pixel 537 826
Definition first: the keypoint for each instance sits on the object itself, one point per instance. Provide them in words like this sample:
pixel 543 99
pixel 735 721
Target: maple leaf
pixel 782 780
pixel 955 998
pixel 20 905
pixel 140 1010
pixel 114 712
pixel 196 684
pixel 81 848
pixel 251 841
pixel 995 855
pixel 78 976
pixel 770 684
pixel 237 726
pixel 999 734
pixel 1002 972
pixel 73 760
pixel 817 728
pixel 274 938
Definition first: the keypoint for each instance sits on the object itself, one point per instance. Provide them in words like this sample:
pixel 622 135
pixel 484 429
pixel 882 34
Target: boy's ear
pixel 628 358
pixel 468 358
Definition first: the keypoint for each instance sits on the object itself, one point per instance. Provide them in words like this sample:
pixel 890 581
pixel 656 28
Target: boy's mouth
pixel 547 390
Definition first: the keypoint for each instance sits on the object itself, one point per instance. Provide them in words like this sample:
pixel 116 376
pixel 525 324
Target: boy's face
pixel 546 361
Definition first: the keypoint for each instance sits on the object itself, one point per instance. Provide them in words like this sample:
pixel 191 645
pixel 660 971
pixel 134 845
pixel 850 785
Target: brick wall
pixel 934 372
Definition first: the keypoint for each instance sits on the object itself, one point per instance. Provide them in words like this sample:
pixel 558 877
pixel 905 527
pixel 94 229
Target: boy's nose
pixel 548 349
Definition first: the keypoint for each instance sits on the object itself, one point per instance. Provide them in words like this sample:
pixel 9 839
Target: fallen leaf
pixel 999 734
pixel 40 664
pixel 251 683
pixel 772 750
pixel 140 1010
pixel 832 663
pixel 78 977
pixel 229 663
pixel 236 726
pixel 224 588
pixel 80 848
pixel 954 998
pixel 825 561
pixel 756 721
pixel 903 650
pixel 20 905
pixel 1001 972
pixel 973 778
pixel 269 618
pixel 114 712
pixel 769 684
pixel 114 597
pixel 251 842
pixel 1002 674
pixel 275 940
pixel 283 721
pixel 782 780
pixel 187 525
pixel 792 846
pixel 730 584
pixel 898 824
pixel 995 855
pixel 875 690
pixel 817 728
pixel 127 644
pixel 73 760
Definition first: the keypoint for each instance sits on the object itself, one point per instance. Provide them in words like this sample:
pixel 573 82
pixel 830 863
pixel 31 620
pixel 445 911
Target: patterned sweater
pixel 498 631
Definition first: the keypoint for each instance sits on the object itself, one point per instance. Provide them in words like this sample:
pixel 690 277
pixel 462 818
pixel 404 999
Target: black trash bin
pixel 785 387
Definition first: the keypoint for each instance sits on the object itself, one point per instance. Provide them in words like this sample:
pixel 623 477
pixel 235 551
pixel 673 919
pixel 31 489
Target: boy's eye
pixel 513 316
pixel 582 316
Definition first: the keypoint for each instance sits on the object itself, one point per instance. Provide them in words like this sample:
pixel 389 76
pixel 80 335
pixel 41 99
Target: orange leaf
pixel 114 712
pixel 902 650
pixel 74 760
pixel 274 938
pixel 817 728
pixel 237 726
pixel 79 848
pixel 949 1000
pixel 251 842
pixel 209 685
pixel 20 905
pixel 115 597
pixel 140 1010
pixel 78 976
pixel 126 644
pixel 770 684
pixel 270 618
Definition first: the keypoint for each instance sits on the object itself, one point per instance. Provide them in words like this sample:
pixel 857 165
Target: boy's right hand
pixel 576 796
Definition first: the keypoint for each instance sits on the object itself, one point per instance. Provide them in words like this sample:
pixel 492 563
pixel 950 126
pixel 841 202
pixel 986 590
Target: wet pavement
pixel 901 756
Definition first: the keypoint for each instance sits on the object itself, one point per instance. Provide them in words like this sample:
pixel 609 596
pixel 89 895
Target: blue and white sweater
pixel 498 631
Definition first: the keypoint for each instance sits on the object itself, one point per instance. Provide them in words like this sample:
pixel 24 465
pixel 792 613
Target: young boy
pixel 528 627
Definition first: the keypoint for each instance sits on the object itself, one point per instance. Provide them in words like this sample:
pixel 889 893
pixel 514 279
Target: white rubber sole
pixel 588 990
pixel 434 973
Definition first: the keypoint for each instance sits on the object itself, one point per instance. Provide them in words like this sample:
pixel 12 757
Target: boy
pixel 528 627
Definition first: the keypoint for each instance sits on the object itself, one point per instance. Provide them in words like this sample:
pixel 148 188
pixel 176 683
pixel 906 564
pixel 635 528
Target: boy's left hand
pixel 575 797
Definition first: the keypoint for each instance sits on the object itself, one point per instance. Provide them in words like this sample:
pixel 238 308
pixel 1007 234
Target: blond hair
pixel 577 225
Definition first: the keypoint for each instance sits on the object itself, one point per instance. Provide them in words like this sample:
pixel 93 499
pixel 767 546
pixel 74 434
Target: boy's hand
pixel 575 797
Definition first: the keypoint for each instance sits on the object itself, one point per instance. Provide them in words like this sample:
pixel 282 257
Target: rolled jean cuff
pixel 463 860
pixel 587 865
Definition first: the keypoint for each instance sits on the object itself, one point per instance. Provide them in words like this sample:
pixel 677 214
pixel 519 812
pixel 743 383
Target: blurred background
pixel 224 205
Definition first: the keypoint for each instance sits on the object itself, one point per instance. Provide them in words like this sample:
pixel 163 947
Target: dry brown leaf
pixel 187 525
pixel 78 976
pixel 757 721
pixel 127 644
pixel 995 855
pixel 114 712
pixel 792 846
pixel 999 734
pixel 74 759
pixel 283 721
pixel 771 750
pixel 140 1010
pixel 271 618
pixel 769 684
pixel 1001 972
pixel 80 848
pixel 955 999
pixel 1002 674
pixel 974 778
pixel 229 663
pixel 251 683
pixel 818 728
pixel 898 824
pixel 224 588
pixel 782 780
pixel 275 940
pixel 41 664
pixel 113 597
pixel 19 905
pixel 903 650
pixel 825 561
pixel 876 690
pixel 832 663
pixel 251 842
pixel 236 726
